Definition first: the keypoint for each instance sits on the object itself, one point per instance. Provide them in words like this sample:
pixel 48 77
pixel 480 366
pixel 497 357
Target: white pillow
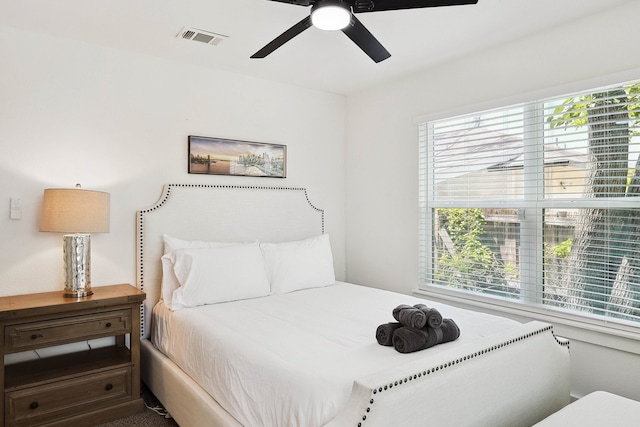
pixel 169 281
pixel 213 275
pixel 303 264
pixel 172 243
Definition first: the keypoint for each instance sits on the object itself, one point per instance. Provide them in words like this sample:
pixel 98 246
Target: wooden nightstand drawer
pixel 50 401
pixel 83 385
pixel 29 336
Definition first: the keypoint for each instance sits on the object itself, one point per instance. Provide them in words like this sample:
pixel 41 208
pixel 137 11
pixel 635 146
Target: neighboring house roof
pixel 475 149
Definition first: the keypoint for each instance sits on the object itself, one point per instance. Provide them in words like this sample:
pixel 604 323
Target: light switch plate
pixel 15 208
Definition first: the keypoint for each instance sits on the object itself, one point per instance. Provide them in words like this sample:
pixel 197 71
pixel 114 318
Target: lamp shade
pixel 75 210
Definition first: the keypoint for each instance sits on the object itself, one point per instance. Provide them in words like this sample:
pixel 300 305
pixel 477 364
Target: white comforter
pixel 290 360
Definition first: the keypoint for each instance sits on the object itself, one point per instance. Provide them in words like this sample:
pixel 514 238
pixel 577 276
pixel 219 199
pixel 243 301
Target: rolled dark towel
pixel 408 340
pixel 409 316
pixel 450 331
pixel 434 318
pixel 398 309
pixel 384 333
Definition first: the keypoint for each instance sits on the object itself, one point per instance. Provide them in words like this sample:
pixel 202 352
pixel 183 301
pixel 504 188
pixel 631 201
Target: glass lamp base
pixel 77 294
pixel 77 265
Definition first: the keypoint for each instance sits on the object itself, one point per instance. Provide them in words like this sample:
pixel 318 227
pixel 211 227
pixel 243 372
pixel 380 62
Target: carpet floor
pixel 154 415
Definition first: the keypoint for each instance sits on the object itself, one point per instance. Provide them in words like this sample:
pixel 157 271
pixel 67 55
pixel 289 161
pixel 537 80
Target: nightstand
pixel 83 388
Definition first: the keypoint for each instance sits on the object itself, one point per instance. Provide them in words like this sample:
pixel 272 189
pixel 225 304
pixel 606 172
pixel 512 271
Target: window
pixel 537 203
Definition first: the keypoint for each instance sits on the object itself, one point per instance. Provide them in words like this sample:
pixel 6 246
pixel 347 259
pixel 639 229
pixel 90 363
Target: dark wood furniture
pixel 82 388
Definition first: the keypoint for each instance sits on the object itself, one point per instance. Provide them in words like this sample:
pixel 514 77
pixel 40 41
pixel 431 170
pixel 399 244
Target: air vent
pixel 201 36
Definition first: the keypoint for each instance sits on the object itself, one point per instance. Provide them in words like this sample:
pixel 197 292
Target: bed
pixel 307 355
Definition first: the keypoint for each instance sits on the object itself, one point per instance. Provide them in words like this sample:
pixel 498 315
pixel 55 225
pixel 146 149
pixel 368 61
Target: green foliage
pixel 563 249
pixel 469 263
pixel 574 112
pixel 465 226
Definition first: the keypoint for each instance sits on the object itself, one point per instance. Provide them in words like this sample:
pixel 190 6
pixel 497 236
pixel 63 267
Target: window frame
pixel 530 302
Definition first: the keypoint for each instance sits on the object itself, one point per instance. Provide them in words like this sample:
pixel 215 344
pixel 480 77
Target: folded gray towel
pixel 384 333
pixel 408 340
pixel 410 316
pixel 434 318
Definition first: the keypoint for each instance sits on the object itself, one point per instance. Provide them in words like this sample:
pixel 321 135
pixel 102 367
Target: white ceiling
pixel 328 61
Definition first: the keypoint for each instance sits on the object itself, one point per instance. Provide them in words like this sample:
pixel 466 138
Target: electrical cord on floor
pixel 158 410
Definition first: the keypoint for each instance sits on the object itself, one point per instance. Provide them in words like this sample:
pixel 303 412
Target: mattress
pixel 290 359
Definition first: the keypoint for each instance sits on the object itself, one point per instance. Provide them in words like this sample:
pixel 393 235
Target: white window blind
pixel 538 203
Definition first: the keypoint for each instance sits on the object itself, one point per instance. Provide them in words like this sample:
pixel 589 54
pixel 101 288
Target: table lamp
pixel 78 211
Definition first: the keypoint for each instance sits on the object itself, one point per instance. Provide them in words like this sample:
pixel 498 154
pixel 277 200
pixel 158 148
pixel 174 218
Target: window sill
pixel 617 335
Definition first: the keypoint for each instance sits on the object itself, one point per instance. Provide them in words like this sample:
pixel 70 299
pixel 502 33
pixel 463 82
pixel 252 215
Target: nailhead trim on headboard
pixel 425 373
pixel 167 193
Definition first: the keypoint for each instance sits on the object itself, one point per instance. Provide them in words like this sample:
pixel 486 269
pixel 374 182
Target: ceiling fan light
pixel 330 17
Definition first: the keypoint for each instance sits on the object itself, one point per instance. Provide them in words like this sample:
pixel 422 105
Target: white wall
pixel 118 122
pixel 381 174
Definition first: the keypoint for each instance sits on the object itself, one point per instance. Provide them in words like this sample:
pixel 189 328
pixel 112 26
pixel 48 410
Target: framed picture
pixel 216 156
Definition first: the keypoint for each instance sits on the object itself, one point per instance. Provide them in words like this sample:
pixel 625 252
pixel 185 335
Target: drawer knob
pixel 34 405
pixel 36 336
pixel 108 324
pixel 108 387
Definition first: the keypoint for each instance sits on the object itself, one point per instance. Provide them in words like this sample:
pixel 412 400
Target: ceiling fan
pixel 339 15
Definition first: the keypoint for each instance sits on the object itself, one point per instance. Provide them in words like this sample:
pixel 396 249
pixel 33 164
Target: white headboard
pixel 223 213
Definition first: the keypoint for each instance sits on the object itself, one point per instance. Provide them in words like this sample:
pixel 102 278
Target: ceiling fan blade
pixel 360 6
pixel 365 40
pixel 296 2
pixel 283 38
